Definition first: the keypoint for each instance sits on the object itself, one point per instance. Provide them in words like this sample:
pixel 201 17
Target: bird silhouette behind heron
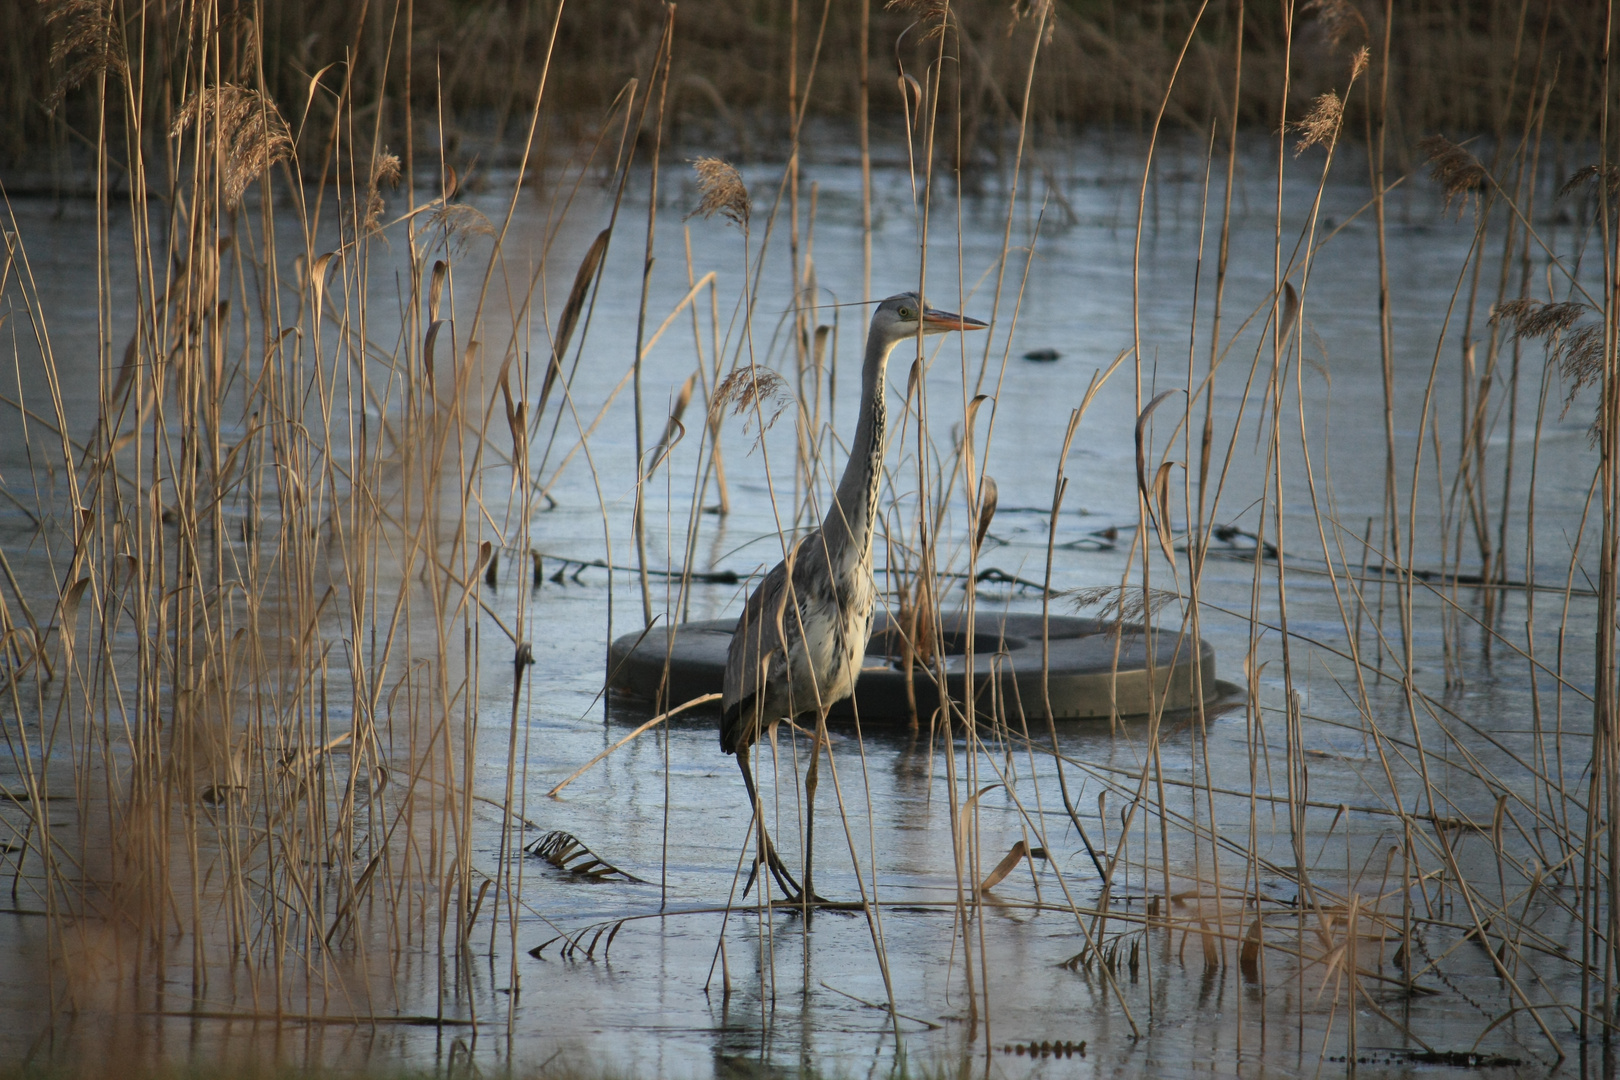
pixel 798 646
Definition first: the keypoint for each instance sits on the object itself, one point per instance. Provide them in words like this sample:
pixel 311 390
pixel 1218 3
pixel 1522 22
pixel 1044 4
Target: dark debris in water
pixel 1046 1048
pixel 1455 1059
pixel 568 852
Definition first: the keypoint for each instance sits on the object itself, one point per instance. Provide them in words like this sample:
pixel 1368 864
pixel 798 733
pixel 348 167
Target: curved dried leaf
pixel 988 497
pixel 1141 440
pixel 576 302
pixel 674 430
pixel 967 432
pixel 1249 956
pixel 965 815
pixel 314 85
pixel 568 852
pixel 911 93
pixel 1290 314
pixel 441 270
pixel 1018 853
pixel 68 618
pixel 317 278
pixel 1161 503
pixel 427 348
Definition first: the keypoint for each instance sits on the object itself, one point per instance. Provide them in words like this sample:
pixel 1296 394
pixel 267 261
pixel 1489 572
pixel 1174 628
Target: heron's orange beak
pixel 937 321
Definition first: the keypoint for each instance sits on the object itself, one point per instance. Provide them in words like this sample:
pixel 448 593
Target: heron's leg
pixel 811 778
pixel 767 852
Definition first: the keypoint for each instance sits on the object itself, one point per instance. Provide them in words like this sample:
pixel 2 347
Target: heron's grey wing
pixel 757 636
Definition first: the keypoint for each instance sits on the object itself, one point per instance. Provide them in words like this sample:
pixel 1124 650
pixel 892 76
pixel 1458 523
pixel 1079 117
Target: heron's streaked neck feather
pixel 847 528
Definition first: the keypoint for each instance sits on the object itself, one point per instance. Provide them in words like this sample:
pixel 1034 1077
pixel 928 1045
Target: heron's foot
pixel 793 893
pixel 795 898
pixel 790 888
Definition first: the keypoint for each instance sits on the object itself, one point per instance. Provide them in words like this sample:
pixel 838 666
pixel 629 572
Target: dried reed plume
pixel 1458 172
pixel 1580 359
pixel 1319 124
pixel 250 132
pixel 1339 20
pixel 752 388
pixel 1533 319
pixel 1577 351
pixel 459 223
pixel 1586 174
pixel 384 170
pixel 88 44
pixel 1359 62
pixel 1030 9
pixel 926 10
pixel 931 13
pixel 1122 606
pixel 723 191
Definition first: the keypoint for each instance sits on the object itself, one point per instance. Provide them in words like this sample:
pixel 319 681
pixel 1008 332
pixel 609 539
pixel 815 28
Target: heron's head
pixel 898 317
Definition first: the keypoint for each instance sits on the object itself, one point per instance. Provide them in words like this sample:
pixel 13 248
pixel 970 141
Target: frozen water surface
pixel 678 974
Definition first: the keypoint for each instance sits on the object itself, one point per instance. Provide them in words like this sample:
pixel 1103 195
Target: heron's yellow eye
pixel 907 314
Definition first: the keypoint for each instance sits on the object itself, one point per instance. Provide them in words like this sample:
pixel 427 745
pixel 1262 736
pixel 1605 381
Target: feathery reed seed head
pixel 1030 9
pixel 1533 319
pixel 1586 175
pixel 1580 358
pixel 931 10
pixel 1121 605
pixel 1577 351
pixel 87 44
pixel 747 388
pixel 460 222
pixel 384 170
pixel 1457 171
pixel 722 189
pixel 1319 124
pixel 250 133
pixel 1339 20
pixel 931 13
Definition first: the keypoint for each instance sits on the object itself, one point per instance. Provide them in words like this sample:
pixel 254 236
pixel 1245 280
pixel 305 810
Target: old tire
pixel 1093 670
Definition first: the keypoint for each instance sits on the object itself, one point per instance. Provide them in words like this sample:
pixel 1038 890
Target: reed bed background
pixel 251 603
pixel 430 70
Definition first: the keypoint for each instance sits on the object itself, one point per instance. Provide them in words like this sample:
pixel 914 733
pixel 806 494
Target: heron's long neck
pixel 848 524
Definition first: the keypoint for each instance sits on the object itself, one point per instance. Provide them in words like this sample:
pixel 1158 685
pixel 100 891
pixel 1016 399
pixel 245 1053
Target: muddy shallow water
pixel 679 986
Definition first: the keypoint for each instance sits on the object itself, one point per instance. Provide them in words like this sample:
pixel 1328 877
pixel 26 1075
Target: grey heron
pixel 798 646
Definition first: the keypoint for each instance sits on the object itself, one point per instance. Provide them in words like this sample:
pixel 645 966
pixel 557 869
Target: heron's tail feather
pixel 734 726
